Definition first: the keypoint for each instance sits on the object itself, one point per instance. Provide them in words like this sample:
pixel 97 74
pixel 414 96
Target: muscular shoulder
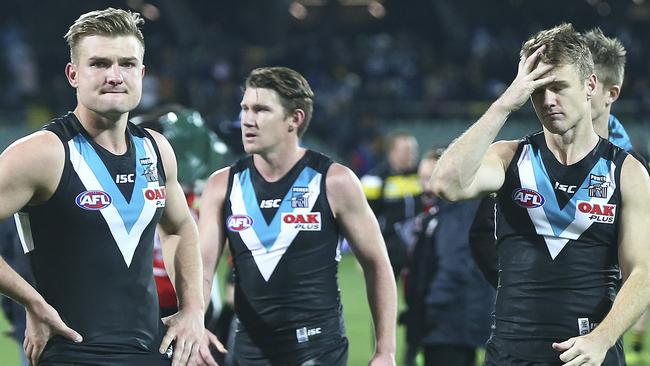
pixel 216 186
pixel 163 145
pixel 36 154
pixel 504 150
pixel 166 153
pixel 635 180
pixel 34 161
pixel 343 188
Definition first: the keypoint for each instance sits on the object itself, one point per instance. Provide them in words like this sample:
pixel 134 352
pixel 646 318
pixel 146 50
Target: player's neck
pixel 572 146
pixel 275 165
pixel 601 125
pixel 106 131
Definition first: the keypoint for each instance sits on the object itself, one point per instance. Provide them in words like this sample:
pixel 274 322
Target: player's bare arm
pixel 30 170
pixel 634 260
pixel 360 227
pixel 471 166
pixel 213 240
pixel 179 237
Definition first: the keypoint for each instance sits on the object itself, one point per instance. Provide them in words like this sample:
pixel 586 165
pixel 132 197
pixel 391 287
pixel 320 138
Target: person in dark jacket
pixel 449 303
pixel 393 192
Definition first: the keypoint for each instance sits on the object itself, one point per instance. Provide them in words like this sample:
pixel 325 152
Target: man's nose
pixel 115 75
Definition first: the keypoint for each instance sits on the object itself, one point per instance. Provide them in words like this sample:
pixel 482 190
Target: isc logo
pixel 527 198
pixel 124 178
pixel 602 213
pixel 566 188
pixel 239 222
pixel 304 222
pixel 270 203
pixel 93 200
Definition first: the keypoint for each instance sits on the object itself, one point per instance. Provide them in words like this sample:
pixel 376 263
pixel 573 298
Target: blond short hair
pixel 108 22
pixel 564 46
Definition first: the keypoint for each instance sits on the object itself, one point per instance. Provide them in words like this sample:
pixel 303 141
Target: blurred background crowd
pixel 374 64
pixel 393 79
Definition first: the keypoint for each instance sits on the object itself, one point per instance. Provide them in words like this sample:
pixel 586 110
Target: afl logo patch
pixel 527 198
pixel 239 222
pixel 93 200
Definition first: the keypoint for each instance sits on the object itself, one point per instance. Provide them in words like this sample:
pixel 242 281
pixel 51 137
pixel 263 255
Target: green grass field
pixel 358 323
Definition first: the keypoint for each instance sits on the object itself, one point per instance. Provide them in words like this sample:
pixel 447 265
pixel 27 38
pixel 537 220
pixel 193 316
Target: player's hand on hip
pixel 529 77
pixel 382 359
pixel 185 329
pixel 44 322
pixel 205 356
pixel 585 350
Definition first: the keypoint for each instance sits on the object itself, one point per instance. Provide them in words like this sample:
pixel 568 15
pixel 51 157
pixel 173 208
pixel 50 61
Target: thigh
pixel 496 357
pixel 336 356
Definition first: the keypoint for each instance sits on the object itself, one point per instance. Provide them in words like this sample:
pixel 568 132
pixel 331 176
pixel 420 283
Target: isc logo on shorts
pixel 158 195
pixel 527 198
pixel 302 222
pixel 239 222
pixel 93 200
pixel 603 213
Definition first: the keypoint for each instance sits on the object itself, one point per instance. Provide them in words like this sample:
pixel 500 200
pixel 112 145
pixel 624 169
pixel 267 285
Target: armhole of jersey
pixel 226 198
pixel 161 165
pixel 65 173
pixel 513 162
pixel 619 158
pixel 324 167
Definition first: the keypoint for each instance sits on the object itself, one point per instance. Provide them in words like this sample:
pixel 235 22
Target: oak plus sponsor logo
pixel 93 200
pixel 238 222
pixel 598 212
pixel 527 198
pixel 157 195
pixel 302 221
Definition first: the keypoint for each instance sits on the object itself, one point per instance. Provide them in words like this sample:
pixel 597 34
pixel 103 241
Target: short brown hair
pixel 609 57
pixel 564 46
pixel 108 22
pixel 293 89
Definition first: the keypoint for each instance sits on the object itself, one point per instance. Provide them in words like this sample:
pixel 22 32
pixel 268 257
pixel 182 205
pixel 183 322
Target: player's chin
pixel 556 127
pixel 117 107
pixel 251 148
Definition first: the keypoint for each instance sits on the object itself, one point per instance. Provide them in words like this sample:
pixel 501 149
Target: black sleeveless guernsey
pixel 91 248
pixel 557 243
pixel 285 244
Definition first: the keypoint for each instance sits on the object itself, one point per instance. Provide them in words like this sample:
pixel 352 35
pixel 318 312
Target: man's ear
pixel 591 84
pixel 71 74
pixel 613 93
pixel 297 119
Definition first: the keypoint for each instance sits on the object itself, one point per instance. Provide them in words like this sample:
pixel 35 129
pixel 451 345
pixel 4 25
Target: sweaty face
pixel 563 103
pixel 107 74
pixel 264 122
